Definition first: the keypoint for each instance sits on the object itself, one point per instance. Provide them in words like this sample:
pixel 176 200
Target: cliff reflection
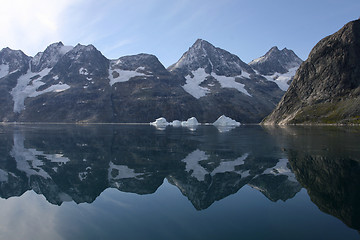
pixel 326 161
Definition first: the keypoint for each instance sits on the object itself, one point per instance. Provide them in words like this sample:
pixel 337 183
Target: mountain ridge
pixel 79 84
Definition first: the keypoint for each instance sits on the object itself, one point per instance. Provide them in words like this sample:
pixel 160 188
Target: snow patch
pixel 119 75
pixel 282 79
pixel 245 74
pixel 4 70
pixel 192 85
pixel 140 69
pixel 123 172
pixel 229 82
pixel 83 71
pixel 193 166
pixel 281 169
pixel 197 171
pixel 229 166
pixel 27 85
pixel 28 160
pixel 65 49
pixel 245 174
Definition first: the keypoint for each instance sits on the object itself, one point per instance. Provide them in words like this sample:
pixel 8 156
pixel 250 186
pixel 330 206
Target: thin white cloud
pixel 116 46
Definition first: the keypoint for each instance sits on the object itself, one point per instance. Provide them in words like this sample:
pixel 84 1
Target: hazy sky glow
pixel 167 28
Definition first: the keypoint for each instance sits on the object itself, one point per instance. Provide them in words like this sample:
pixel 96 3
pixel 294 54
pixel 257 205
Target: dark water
pixel 139 182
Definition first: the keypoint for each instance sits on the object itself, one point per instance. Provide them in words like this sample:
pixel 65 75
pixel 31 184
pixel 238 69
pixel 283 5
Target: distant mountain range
pixel 79 84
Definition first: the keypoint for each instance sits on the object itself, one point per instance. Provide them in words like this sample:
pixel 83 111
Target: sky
pixel 167 28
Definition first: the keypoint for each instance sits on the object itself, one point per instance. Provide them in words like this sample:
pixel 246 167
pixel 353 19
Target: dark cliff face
pixel 326 87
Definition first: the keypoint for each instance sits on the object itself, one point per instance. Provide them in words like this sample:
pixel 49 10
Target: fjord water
pixel 139 182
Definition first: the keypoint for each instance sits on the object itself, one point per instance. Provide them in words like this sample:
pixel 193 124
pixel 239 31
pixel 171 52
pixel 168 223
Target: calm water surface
pixel 139 182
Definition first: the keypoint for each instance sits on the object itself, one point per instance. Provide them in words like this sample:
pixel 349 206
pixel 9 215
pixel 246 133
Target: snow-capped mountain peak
pixel 276 60
pixel 12 60
pixel 278 66
pixel 49 57
pixel 203 62
pixel 203 54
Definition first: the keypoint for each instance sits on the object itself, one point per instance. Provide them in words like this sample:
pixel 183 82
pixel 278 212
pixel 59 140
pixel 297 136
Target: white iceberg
pixel 160 122
pixel 175 123
pixel 224 121
pixel 190 122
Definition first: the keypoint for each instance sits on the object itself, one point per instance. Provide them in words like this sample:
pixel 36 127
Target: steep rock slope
pixel 326 88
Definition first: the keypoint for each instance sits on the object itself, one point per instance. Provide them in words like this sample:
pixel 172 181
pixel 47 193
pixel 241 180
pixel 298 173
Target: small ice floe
pixel 160 123
pixel 175 123
pixel 190 122
pixel 225 124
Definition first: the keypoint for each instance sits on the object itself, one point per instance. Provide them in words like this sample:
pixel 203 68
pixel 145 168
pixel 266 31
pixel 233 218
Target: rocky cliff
pixel 326 87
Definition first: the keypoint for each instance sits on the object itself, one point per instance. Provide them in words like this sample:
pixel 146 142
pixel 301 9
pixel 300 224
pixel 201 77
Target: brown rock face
pixel 326 87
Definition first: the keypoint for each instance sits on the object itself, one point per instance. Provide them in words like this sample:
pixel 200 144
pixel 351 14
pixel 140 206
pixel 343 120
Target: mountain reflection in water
pixel 78 162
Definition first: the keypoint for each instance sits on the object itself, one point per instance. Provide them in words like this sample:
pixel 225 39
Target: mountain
pixel 204 55
pixel 79 84
pixel 278 65
pixel 326 87
pixel 221 82
pixel 49 57
pixel 57 91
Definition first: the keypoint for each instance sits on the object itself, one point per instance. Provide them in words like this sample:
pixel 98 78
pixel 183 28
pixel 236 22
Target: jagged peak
pixel 80 47
pixel 274 49
pixel 202 42
pixel 141 57
pixel 143 61
pixel 275 53
pixel 56 44
pixel 49 57
pixel 9 50
pixel 203 54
